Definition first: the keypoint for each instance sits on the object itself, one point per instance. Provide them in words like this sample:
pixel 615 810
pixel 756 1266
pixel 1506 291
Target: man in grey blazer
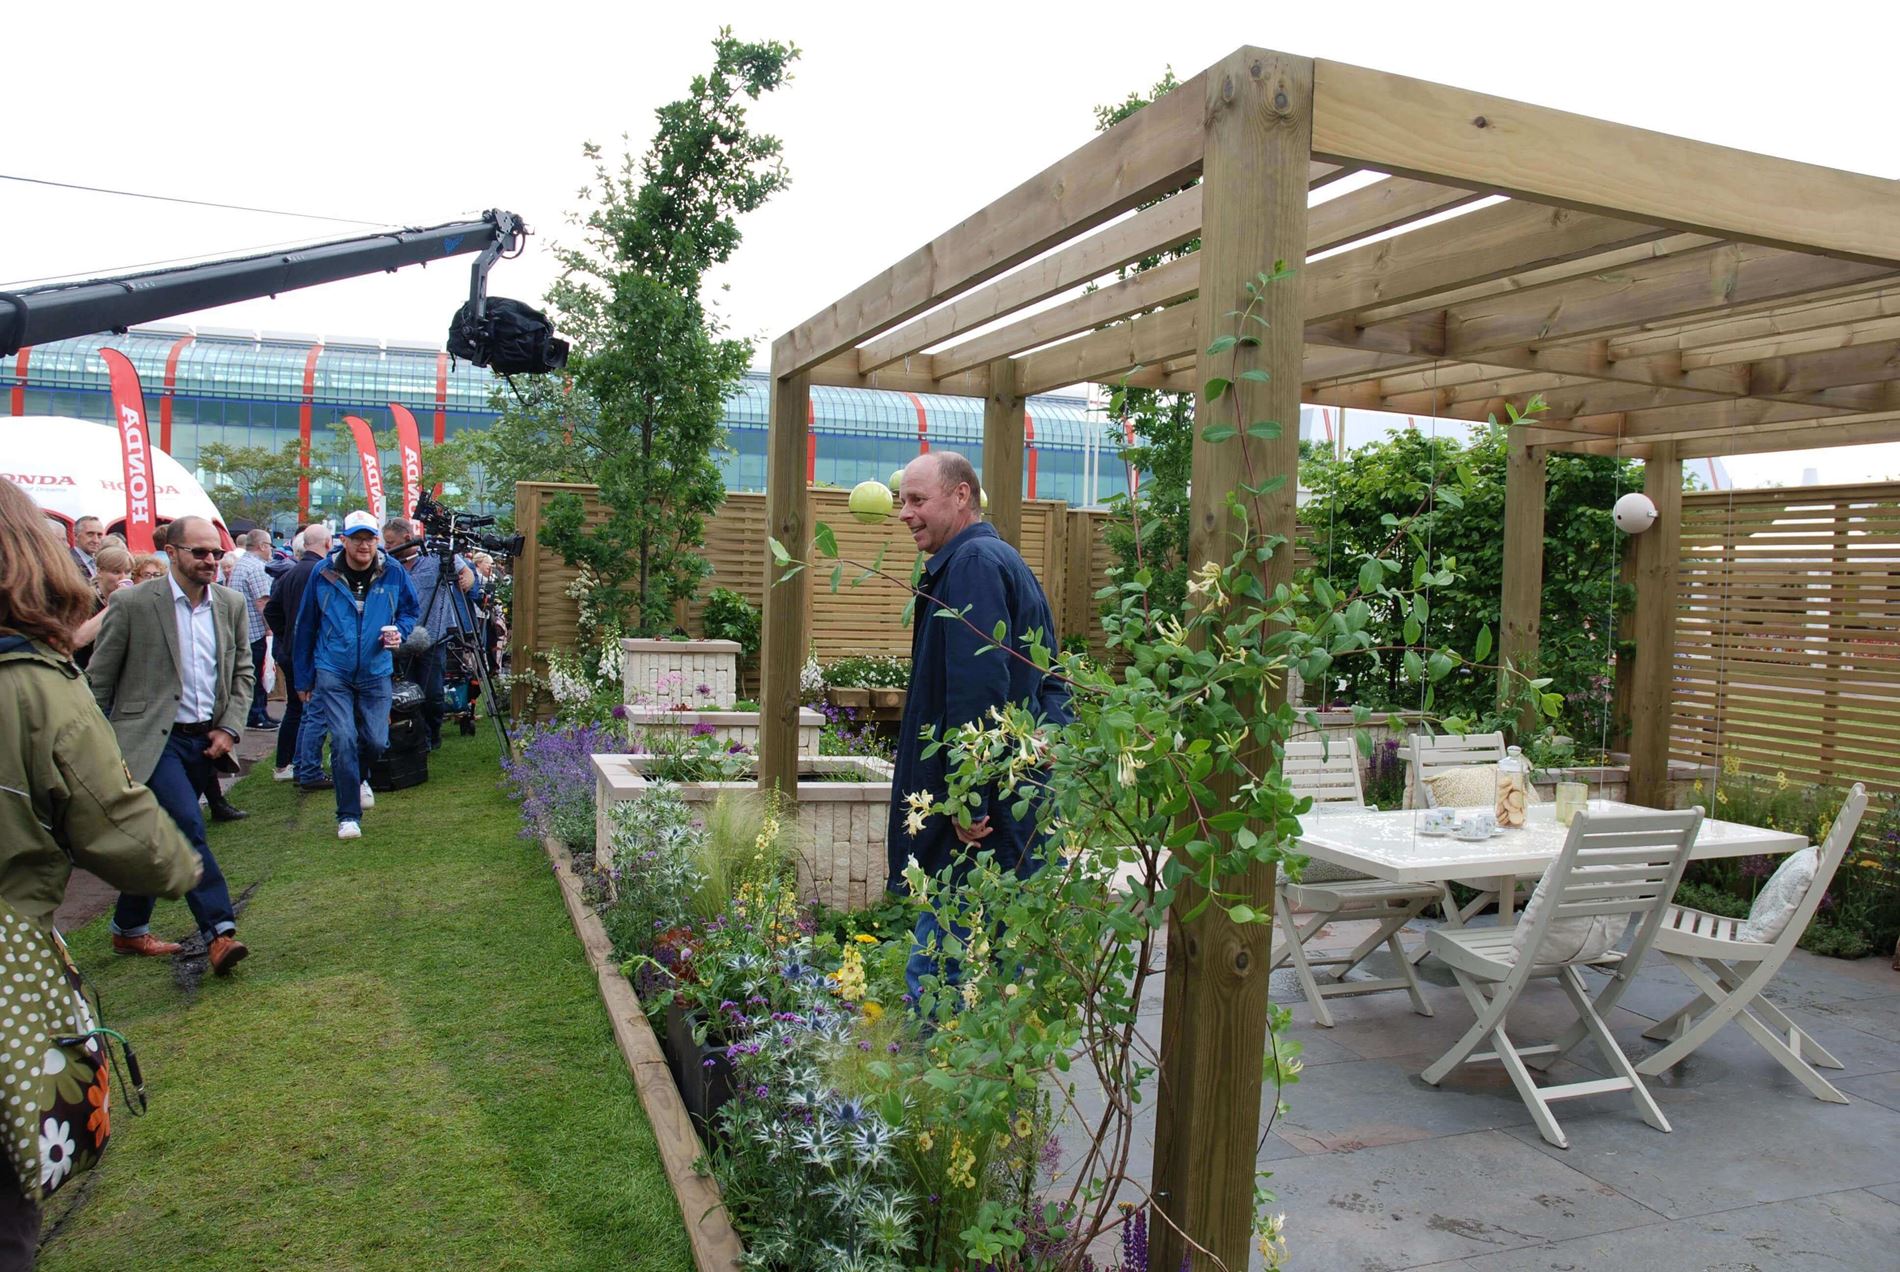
pixel 172 671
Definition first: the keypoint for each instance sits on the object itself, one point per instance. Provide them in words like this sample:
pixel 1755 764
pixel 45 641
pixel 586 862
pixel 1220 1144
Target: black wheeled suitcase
pixel 406 761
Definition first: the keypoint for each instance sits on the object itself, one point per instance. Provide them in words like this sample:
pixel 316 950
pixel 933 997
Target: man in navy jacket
pixel 952 684
pixel 358 606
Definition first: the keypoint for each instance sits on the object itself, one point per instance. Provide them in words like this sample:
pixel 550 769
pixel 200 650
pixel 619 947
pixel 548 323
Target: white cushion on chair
pixel 1470 786
pixel 1780 897
pixel 1579 939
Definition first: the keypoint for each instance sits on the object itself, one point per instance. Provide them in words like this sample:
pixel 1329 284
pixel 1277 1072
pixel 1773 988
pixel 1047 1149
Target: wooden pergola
pixel 1669 299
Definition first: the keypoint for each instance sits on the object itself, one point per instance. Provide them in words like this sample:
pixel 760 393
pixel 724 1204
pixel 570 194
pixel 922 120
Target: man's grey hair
pixel 954 469
pixel 396 530
pixel 83 520
pixel 257 539
pixel 316 537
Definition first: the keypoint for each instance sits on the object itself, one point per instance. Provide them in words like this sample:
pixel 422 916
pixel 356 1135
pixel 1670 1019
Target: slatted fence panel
pixel 1787 647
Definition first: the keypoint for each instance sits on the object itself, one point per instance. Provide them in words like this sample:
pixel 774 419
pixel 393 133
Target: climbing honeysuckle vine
pixel 1169 774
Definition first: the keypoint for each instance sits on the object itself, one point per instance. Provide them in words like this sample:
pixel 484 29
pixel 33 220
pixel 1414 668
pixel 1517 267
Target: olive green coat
pixel 65 796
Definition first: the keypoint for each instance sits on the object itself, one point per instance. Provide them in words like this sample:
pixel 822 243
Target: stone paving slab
pixel 1839 1232
pixel 1728 1148
pixel 1882 1088
pixel 1427 1202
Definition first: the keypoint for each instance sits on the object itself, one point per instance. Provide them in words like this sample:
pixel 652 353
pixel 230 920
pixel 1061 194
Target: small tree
pixel 252 482
pixel 1151 531
pixel 652 361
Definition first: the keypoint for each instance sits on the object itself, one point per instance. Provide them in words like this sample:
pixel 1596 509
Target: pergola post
pixel 1259 112
pixel 1003 452
pixel 784 636
pixel 1658 554
pixel 1520 607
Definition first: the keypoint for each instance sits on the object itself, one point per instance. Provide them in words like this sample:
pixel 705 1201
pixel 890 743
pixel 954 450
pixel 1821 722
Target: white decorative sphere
pixel 1635 512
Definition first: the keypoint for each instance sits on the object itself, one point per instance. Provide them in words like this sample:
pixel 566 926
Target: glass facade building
pixel 245 389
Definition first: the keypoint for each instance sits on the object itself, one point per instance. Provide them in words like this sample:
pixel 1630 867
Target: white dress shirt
pixel 197 655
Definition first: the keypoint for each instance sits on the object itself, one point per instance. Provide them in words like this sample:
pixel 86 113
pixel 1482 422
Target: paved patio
pixel 1379 1172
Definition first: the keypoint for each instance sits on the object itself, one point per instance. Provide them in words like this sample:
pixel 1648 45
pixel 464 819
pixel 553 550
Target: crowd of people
pixel 127 681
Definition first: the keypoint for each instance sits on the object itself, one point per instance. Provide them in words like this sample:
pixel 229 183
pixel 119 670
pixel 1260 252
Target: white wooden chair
pixel 1731 974
pixel 1429 754
pixel 1621 865
pixel 1331 776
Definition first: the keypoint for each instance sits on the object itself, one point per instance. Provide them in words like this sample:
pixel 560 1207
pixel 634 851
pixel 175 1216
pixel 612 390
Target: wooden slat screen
pixel 1787 648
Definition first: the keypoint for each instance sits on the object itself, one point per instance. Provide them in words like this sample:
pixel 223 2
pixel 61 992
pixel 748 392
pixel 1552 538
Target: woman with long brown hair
pixel 65 799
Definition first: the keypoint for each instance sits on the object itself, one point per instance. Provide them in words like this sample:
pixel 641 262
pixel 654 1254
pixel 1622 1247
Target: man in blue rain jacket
pixel 952 684
pixel 358 606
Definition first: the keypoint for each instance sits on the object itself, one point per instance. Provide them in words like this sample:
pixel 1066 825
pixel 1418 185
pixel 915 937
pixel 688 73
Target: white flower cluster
pixel 811 677
pixel 568 688
pixel 612 659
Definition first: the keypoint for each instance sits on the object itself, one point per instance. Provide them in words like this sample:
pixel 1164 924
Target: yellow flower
pixel 1721 797
pixel 865 938
pixel 873 1012
pixel 850 976
pixel 1781 781
pixel 1024 1125
pixel 925 1142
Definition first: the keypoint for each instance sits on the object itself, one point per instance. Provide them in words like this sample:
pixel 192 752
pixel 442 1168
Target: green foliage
pixel 1451 497
pixel 729 616
pixel 652 363
pixel 1711 899
pixel 252 481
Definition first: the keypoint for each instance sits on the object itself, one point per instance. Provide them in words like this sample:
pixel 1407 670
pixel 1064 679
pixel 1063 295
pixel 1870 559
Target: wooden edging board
pixel 716 1247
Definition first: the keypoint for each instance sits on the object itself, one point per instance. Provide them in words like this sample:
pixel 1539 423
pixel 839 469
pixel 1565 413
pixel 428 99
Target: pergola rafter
pixel 1667 298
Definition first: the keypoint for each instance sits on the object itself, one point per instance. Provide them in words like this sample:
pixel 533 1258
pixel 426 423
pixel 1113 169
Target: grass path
pixel 413 1070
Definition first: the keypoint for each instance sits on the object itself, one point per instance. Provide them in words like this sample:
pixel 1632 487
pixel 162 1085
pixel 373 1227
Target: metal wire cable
pixel 199 203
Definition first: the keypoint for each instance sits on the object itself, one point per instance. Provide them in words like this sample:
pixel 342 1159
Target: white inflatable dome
pixel 72 468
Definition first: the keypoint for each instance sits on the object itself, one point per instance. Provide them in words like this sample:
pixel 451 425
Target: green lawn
pixel 413 1070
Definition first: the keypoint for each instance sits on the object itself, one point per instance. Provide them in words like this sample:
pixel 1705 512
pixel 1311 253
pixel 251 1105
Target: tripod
pixel 463 647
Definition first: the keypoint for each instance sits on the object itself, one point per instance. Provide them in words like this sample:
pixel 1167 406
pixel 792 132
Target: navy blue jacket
pixel 332 632
pixel 286 598
pixel 951 684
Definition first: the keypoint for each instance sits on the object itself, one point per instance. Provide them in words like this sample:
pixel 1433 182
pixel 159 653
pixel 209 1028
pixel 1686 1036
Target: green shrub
pixel 729 616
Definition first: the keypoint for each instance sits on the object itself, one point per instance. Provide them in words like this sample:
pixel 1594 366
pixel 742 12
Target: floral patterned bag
pixel 54 1094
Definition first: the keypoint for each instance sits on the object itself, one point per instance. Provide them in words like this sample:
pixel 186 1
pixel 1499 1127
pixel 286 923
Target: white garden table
pixel 1392 846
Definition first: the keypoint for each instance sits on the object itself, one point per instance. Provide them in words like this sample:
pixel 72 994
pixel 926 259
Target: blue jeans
pixel 358 714
pixel 182 772
pixel 312 727
pixel 291 724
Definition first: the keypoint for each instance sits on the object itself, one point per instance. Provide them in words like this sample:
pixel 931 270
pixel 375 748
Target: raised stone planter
pixel 666 673
pixel 726 726
pixel 843 820
pixel 1612 781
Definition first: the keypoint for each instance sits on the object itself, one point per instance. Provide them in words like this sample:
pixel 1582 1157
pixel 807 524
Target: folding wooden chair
pixel 1430 754
pixel 1331 776
pixel 1711 953
pixel 1620 865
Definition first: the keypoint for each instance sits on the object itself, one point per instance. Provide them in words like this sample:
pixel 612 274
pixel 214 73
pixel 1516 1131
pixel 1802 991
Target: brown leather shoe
pixel 226 953
pixel 145 945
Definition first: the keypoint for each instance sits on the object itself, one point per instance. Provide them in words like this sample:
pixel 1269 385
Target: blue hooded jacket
pixel 333 633
pixel 951 684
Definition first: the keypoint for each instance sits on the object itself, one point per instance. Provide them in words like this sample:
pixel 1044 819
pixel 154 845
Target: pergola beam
pixel 1155 150
pixel 1439 133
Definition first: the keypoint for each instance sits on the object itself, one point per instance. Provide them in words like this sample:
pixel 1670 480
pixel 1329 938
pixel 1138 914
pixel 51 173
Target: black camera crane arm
pixel 39 315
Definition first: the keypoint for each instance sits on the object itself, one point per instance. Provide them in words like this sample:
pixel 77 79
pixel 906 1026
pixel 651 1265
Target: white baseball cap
pixel 359 521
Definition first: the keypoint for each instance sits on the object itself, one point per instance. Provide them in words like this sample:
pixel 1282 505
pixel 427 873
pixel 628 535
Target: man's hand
pixel 218 744
pixel 977 831
pixel 303 695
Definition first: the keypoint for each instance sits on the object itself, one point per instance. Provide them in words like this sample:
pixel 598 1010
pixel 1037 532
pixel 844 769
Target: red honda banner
pixel 372 465
pixel 135 449
pixel 409 449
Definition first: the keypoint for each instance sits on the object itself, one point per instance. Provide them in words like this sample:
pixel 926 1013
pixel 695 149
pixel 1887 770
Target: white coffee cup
pixel 392 635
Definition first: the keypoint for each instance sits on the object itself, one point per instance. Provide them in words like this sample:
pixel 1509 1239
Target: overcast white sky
pixel 901 120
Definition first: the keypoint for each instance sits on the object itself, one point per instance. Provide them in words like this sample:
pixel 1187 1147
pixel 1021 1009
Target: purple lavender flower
pixel 704 730
pixel 619 712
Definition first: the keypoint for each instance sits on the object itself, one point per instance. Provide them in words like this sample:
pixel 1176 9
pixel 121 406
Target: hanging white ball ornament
pixel 1635 512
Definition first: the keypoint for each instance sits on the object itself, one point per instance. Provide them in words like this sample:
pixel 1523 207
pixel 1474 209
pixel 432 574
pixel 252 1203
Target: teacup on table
pixel 1437 821
pixel 1476 826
